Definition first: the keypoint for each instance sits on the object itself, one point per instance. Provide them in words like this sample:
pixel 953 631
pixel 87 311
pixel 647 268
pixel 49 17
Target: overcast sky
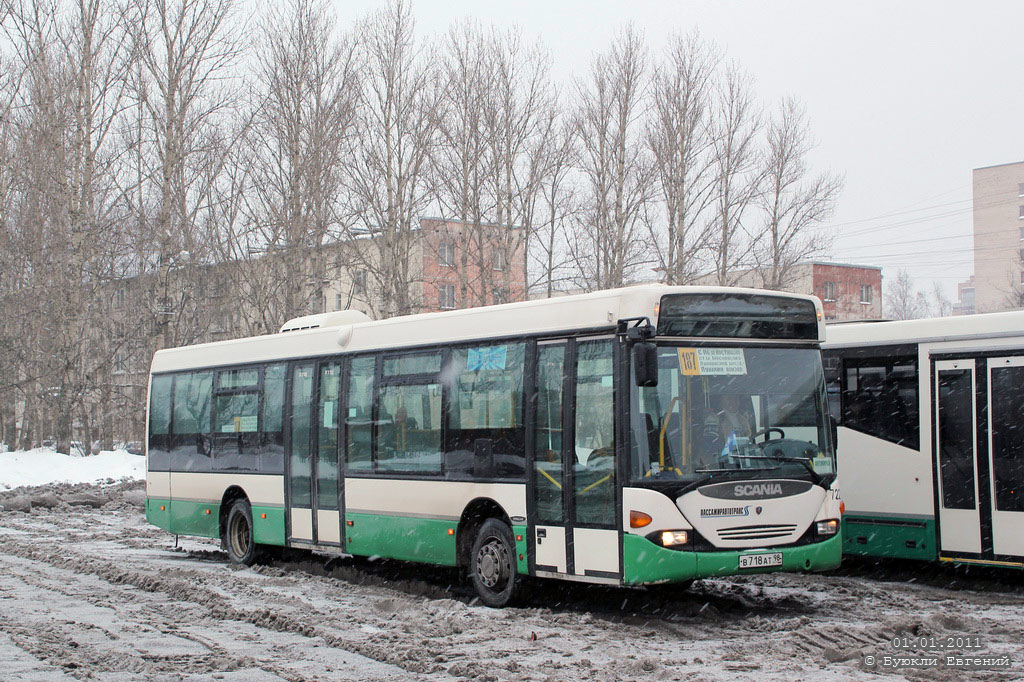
pixel 904 98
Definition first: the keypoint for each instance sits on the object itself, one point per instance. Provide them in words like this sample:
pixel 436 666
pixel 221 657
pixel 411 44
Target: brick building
pixel 847 292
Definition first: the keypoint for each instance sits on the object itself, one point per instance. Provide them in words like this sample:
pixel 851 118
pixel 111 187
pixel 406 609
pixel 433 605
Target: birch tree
pixel 608 244
pixel 793 201
pixel 395 134
pixel 679 135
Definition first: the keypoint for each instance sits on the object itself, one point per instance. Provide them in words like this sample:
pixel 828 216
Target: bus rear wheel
pixel 238 535
pixel 493 565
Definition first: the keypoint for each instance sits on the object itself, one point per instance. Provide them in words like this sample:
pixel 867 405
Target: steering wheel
pixel 765 432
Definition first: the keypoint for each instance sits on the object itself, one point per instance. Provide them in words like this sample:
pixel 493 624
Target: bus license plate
pixel 760 560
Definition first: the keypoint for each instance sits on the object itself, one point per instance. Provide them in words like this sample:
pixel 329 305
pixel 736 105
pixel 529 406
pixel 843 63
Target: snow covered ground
pixel 88 590
pixel 43 465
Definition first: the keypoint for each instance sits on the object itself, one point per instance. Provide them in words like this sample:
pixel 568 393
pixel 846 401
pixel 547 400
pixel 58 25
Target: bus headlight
pixel 674 538
pixel 829 527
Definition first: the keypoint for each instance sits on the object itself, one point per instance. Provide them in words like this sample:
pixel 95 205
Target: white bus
pixel 644 435
pixel 931 436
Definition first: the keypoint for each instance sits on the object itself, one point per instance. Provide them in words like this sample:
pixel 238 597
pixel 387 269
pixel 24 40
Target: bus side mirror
pixel 645 363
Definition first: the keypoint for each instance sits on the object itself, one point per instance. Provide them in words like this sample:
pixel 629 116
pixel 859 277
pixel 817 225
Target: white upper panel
pixel 962 327
pixel 600 309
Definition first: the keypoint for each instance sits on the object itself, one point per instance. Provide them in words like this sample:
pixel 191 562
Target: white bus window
pixel 1008 437
pixel 486 436
pixel 190 450
pixel 594 470
pixel 160 423
pixel 409 428
pixel 272 437
pixel 359 417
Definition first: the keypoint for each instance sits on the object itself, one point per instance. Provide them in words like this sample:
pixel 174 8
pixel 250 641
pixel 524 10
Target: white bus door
pixel 1006 455
pixel 313 453
pixel 956 431
pixel 574 520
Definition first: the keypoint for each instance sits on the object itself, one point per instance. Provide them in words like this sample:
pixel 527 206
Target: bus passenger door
pixel 956 431
pixel 1006 455
pixel 574 518
pixel 313 453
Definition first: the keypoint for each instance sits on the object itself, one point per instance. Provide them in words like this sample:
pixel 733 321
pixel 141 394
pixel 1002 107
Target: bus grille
pixel 756 532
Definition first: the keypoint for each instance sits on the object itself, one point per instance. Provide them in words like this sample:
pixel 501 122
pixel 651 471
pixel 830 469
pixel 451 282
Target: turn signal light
pixel 263 516
pixel 842 507
pixel 671 538
pixel 451 531
pixel 829 527
pixel 638 519
pixel 162 508
pixel 207 511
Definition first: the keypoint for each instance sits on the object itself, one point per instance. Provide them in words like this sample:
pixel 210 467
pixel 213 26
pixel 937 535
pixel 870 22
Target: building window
pixel 337 301
pixel 1022 278
pixel 359 282
pixel 499 260
pixel 1020 189
pixel 865 293
pixel 119 295
pixel 500 295
pixel 446 254
pixel 830 291
pixel 1020 213
pixel 447 297
pixel 120 362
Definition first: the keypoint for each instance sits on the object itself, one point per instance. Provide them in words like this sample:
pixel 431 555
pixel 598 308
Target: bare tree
pixel 608 246
pixel 737 169
pixel 185 50
pixel 679 136
pixel 559 204
pixel 903 301
pixel 460 162
pixel 302 115
pixel 395 134
pixel 793 202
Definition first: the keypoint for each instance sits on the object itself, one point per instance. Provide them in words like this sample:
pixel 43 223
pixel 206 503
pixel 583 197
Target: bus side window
pixel 160 423
pixel 359 417
pixel 594 471
pixel 272 437
pixel 486 436
pixel 190 440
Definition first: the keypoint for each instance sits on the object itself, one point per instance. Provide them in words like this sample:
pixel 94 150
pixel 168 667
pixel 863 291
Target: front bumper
pixel 647 563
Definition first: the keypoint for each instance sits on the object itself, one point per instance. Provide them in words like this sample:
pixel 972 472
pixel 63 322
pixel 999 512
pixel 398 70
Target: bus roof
pixel 596 310
pixel 925 330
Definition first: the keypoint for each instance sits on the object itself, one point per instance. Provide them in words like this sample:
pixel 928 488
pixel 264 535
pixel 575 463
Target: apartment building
pixel 998 193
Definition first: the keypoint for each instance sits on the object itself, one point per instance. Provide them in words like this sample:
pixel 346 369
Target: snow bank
pixel 42 466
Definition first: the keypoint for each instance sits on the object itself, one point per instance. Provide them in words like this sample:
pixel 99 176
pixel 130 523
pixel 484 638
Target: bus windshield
pixel 721 411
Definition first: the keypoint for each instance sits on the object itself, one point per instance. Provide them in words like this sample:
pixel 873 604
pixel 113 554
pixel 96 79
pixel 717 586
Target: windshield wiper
pixel 805 461
pixel 734 471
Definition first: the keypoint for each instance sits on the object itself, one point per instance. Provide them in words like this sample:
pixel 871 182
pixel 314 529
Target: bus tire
pixel 492 564
pixel 238 535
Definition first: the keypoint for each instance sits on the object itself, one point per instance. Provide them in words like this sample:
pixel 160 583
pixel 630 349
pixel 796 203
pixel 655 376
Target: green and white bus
pixel 651 434
pixel 931 437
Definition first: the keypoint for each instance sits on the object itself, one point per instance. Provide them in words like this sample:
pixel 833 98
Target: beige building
pixel 998 237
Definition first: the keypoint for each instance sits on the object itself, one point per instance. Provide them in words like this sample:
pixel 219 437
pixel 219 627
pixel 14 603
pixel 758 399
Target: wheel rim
pixel 494 565
pixel 239 533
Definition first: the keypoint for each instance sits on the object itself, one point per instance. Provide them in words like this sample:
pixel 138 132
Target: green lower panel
pixel 401 537
pixel 523 564
pixel 649 563
pixel 270 530
pixel 194 518
pixel 646 562
pixel 161 518
pixel 820 556
pixel 896 538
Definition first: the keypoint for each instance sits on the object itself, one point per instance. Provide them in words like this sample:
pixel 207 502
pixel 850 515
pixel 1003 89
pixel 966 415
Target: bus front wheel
pixel 238 536
pixel 493 564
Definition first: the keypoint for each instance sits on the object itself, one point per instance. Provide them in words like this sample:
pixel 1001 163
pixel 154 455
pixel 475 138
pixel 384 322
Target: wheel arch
pixel 473 516
pixel 232 494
